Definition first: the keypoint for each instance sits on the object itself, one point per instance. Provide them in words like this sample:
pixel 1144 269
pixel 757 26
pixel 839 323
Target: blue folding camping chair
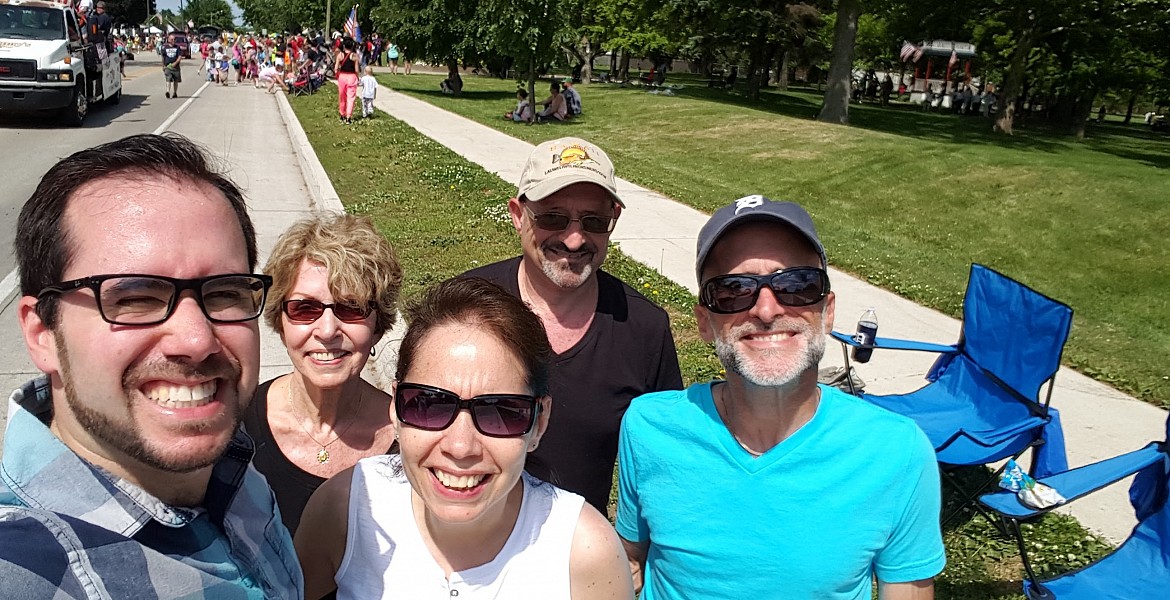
pixel 1140 567
pixel 982 403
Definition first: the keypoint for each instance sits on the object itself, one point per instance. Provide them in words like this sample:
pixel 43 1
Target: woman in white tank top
pixel 454 515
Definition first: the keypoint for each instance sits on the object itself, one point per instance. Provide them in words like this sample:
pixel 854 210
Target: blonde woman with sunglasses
pixel 334 294
pixel 454 514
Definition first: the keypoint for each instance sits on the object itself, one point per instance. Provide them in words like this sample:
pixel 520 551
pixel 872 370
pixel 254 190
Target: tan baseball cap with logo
pixel 557 164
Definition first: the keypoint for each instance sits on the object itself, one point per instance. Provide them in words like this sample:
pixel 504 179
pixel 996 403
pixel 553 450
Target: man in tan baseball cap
pixel 611 342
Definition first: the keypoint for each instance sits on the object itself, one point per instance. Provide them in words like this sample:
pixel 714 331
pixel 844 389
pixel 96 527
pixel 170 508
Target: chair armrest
pixel 895 344
pixel 1078 482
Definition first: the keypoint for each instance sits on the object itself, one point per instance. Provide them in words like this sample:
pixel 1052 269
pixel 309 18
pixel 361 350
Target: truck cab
pixel 48 65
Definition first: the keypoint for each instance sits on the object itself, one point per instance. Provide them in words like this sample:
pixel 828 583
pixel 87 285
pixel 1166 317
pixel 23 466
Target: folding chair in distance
pixel 1140 567
pixel 302 86
pixel 982 403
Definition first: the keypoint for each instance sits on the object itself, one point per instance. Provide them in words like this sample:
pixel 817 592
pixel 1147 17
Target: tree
pixel 531 31
pixel 129 11
pixel 759 30
pixel 632 25
pixel 216 13
pixel 835 106
pixel 441 31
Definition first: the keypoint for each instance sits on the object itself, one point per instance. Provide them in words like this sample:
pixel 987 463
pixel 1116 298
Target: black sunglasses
pixel 494 415
pixel 798 286
pixel 132 299
pixel 552 221
pixel 308 311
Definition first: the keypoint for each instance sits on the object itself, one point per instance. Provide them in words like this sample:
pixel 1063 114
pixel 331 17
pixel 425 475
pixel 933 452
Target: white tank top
pixel 385 556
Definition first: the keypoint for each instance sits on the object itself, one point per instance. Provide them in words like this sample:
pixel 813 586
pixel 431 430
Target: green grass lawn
pixel 445 215
pixel 907 200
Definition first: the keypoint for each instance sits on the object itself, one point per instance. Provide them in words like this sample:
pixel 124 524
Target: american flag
pixel 907 51
pixel 352 29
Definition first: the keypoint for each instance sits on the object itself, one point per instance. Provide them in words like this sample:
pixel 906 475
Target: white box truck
pixel 47 63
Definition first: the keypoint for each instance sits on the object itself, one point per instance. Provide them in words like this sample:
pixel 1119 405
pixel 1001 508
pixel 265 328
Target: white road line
pixel 179 112
pixel 9 287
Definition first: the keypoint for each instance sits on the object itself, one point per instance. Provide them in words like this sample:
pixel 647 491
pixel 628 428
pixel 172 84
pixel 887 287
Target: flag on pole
pixel 907 51
pixel 352 29
pixel 954 59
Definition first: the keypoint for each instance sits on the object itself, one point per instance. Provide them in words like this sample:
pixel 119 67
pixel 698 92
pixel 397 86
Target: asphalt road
pixel 30 144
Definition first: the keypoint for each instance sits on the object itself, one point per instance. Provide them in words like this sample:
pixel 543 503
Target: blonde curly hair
pixel 362 265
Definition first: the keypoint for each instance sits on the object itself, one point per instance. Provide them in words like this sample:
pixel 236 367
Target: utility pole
pixel 328 10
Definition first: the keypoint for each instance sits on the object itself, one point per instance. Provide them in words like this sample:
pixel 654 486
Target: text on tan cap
pixel 557 164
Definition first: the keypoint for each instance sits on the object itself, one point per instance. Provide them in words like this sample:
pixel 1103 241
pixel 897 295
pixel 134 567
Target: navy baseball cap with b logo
pixel 755 208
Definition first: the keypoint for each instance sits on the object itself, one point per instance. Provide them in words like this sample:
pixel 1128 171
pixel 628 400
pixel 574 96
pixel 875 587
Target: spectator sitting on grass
pixel 572 98
pixel 523 111
pixel 555 106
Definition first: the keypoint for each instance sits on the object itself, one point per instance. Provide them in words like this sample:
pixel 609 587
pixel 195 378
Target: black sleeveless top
pixel 348 65
pixel 290 483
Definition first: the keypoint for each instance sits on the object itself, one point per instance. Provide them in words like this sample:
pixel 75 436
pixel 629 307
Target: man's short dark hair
pixel 43 248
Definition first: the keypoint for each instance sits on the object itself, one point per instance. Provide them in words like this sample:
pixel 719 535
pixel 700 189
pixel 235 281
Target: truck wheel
pixel 74 114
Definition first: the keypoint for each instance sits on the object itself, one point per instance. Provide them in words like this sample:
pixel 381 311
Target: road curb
pixel 321 190
pixel 380 368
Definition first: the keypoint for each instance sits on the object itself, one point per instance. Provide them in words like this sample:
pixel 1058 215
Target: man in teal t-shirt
pixel 769 485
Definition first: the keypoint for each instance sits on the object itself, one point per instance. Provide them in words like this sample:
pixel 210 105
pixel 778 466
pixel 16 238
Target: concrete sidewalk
pixel 1099 422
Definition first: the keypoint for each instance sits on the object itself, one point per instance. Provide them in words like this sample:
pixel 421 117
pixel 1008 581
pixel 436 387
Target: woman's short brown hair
pixel 362 265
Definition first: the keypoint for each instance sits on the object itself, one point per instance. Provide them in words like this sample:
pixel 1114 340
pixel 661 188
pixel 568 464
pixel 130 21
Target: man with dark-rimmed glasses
pixel 125 474
pixel 610 342
pixel 768 483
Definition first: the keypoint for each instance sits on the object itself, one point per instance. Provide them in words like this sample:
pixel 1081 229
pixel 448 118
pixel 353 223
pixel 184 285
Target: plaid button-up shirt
pixel 71 530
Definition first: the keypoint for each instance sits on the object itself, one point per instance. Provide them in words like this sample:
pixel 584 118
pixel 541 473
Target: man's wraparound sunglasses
pixel 494 415
pixel 553 221
pixel 132 299
pixel 308 311
pixel 798 286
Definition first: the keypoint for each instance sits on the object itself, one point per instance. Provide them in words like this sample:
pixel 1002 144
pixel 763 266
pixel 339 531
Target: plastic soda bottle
pixel 866 332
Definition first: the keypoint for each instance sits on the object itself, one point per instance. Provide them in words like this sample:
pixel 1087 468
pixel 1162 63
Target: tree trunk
pixel 453 78
pixel 613 63
pixel 767 62
pixel 1129 109
pixel 587 70
pixel 1013 83
pixel 782 71
pixel 1081 113
pixel 753 75
pixel 835 106
pixel 532 86
pixel 579 53
pixel 624 68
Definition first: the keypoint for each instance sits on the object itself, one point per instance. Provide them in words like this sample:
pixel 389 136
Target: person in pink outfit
pixel 346 67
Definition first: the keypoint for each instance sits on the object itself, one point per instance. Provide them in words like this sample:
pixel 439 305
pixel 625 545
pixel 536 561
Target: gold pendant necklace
pixel 323 453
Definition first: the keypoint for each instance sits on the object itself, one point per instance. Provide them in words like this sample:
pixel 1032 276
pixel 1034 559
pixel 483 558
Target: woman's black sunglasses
pixel 494 415
pixel 798 286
